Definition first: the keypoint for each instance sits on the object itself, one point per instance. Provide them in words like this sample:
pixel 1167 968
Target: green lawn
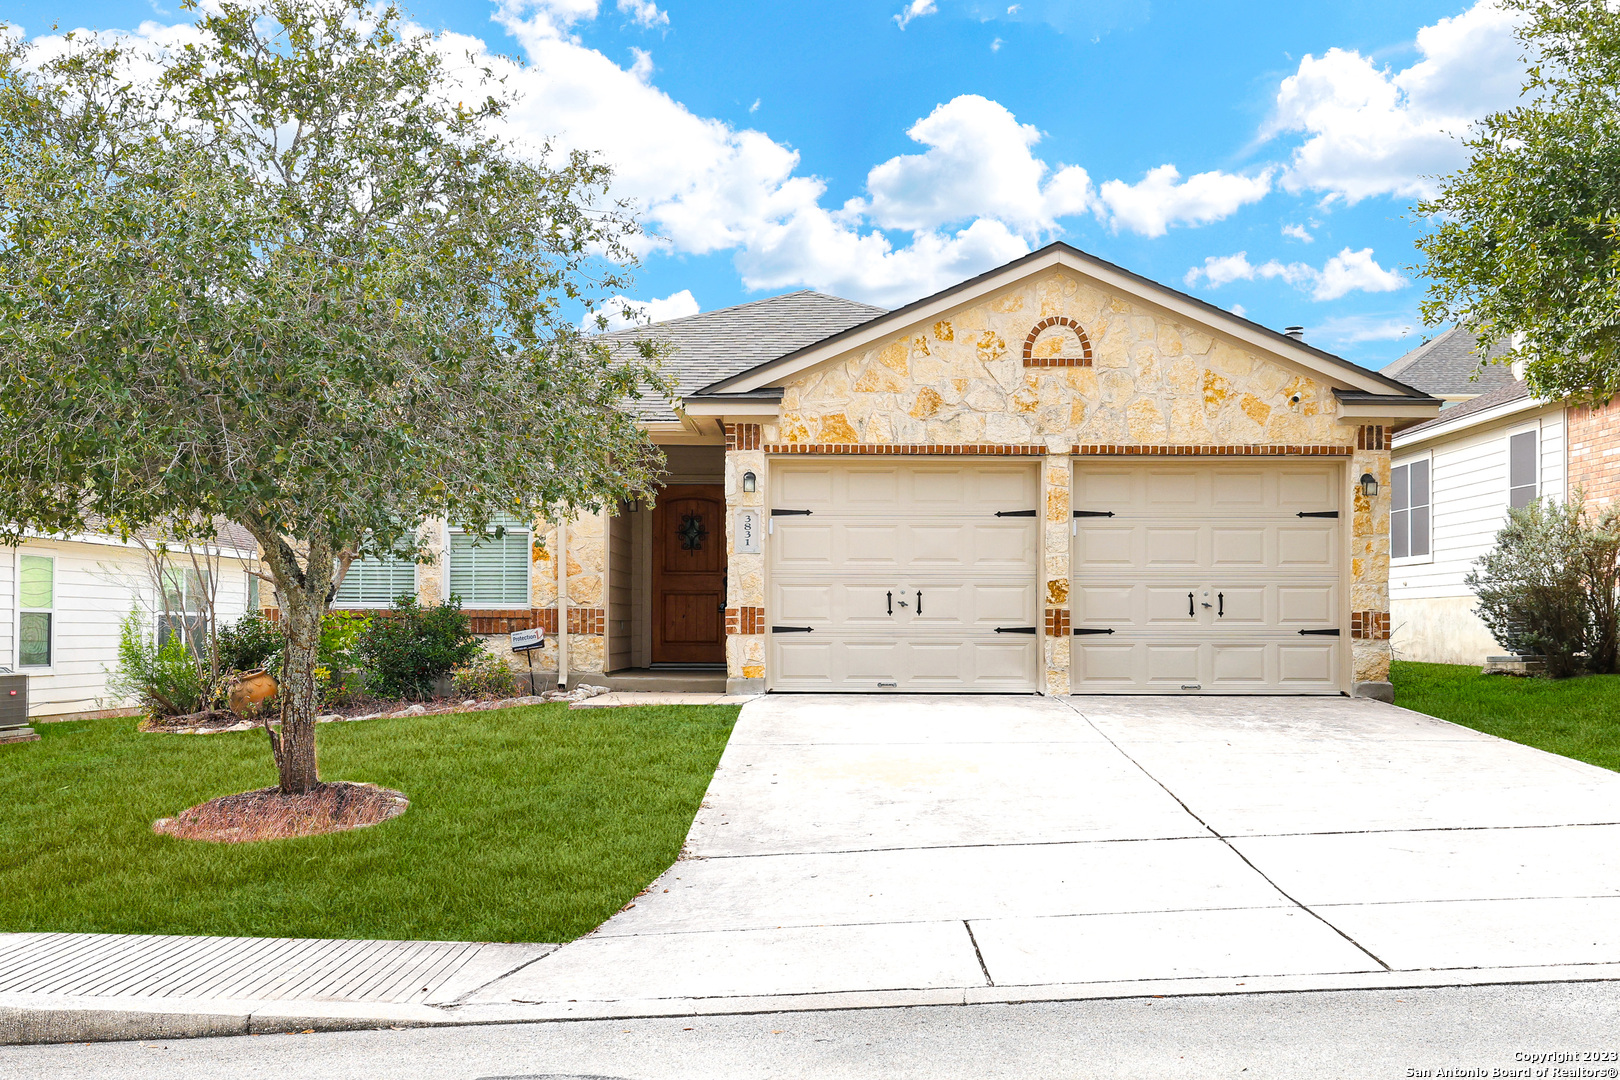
pixel 528 824
pixel 1579 718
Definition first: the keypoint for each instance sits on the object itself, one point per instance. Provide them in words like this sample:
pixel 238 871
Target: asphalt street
pixel 1499 1031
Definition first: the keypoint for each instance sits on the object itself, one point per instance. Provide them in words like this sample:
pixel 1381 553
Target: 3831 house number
pixel 747 536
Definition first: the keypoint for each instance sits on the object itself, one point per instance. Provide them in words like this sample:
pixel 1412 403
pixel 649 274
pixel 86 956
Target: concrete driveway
pixel 909 850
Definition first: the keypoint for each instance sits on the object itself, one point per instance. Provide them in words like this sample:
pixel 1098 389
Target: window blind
pixel 490 573
pixel 374 583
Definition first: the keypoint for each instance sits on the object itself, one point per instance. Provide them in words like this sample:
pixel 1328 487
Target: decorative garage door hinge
pixel 1319 513
pixel 793 629
pixel 1088 630
pixel 1093 513
pixel 1015 513
pixel 1015 629
pixel 1322 633
pixel 777 511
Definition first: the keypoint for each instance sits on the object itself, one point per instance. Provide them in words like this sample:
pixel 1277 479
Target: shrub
pixel 1548 586
pixel 166 679
pixel 406 650
pixel 248 644
pixel 484 676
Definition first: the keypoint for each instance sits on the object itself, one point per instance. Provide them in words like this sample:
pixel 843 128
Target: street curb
pixel 33 1019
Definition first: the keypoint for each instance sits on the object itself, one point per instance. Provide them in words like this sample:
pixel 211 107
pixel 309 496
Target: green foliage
pixel 1548 586
pixel 250 643
pixel 530 824
pixel 1526 237
pixel 484 676
pixel 166 679
pixel 406 650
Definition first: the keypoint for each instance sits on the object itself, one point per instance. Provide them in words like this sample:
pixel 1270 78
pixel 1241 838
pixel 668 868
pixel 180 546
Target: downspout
pixel 562 604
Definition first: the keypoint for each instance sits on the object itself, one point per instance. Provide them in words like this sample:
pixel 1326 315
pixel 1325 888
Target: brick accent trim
pixel 1057 622
pixel 745 620
pixel 547 621
pixel 742 436
pixel 1372 437
pixel 1240 450
pixel 587 620
pixel 1369 625
pixel 911 449
pixel 1031 360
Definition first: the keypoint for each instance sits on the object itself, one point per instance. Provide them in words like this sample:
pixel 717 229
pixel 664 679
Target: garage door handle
pixel 1015 629
pixel 890 595
pixel 1191 614
pixel 1077 631
pixel 1220 605
pixel 793 629
pixel 1319 513
pixel 1015 513
pixel 919 601
pixel 1322 633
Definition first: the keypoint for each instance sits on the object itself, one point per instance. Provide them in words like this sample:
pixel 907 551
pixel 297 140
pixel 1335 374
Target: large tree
pixel 1526 237
pixel 291 274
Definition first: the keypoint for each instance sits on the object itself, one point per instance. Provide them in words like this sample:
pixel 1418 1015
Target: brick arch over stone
pixel 1031 360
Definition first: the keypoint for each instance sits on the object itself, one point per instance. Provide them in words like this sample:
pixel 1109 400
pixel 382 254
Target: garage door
pixel 1207 578
pixel 896 577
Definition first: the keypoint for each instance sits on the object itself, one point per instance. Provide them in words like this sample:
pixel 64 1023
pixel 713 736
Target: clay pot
pixel 251 690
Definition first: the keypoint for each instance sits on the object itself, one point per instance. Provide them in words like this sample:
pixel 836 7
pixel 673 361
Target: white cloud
pixel 1298 232
pixel 1162 199
pixel 1377 131
pixel 915 10
pixel 1348 271
pixel 1355 329
pixel 621 311
pixel 978 164
pixel 995 46
pixel 1239 310
pixel 644 12
pixel 754 108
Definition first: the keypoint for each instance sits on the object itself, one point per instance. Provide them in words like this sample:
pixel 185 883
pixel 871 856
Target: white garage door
pixel 901 577
pixel 1211 577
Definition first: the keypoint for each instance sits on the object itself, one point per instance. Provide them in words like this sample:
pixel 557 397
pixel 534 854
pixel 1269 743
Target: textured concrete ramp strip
pixel 118 966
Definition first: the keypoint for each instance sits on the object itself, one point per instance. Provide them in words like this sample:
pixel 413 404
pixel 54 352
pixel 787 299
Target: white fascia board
pixel 734 411
pixel 1405 440
pixel 1239 330
pixel 1359 412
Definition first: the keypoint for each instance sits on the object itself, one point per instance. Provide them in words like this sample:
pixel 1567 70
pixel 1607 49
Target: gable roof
pixel 717 344
pixel 1459 416
pixel 1450 365
pixel 774 371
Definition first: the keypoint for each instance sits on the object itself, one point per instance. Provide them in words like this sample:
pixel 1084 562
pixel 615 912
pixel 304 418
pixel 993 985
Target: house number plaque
pixel 747 532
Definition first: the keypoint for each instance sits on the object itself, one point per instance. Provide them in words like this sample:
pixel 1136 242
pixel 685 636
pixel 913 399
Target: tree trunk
pixel 298 695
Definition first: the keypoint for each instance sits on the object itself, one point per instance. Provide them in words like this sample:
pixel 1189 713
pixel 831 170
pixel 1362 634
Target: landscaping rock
pixel 411 710
pixel 329 718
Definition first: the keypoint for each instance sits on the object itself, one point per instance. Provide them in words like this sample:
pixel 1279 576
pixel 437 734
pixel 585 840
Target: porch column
pixel 745 574
pixel 1369 567
pixel 1056 482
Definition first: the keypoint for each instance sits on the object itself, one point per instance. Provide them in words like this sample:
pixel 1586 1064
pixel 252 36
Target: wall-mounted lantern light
pixel 750 482
pixel 1369 485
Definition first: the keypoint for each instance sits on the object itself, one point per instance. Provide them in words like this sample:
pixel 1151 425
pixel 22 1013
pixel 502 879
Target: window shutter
pixel 373 583
pixel 490 573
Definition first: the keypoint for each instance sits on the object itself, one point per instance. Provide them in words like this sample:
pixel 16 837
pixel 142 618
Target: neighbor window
pixel 374 583
pixel 1523 476
pixel 185 607
pixel 1409 509
pixel 492 572
pixel 36 601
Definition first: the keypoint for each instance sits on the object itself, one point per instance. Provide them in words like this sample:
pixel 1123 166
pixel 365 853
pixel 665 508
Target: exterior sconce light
pixel 750 482
pixel 1369 485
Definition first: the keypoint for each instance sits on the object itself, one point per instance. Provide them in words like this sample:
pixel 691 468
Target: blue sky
pixel 1262 156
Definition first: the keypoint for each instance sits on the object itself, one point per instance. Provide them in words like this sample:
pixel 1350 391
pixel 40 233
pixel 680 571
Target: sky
pixel 1263 156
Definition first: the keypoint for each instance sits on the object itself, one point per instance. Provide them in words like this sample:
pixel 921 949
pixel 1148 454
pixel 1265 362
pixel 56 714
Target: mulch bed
pixel 267 814
pixel 212 721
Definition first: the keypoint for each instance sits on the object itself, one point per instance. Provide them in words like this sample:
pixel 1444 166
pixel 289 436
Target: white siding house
pixel 62 602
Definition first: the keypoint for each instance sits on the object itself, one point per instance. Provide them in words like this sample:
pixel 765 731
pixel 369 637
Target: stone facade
pixel 745 574
pixel 1058 367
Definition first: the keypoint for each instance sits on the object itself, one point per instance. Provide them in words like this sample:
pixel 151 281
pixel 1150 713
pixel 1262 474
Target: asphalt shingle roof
pixel 1513 391
pixel 715 345
pixel 1447 366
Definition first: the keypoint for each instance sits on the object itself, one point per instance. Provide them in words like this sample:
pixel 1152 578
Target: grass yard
pixel 1578 718
pixel 529 824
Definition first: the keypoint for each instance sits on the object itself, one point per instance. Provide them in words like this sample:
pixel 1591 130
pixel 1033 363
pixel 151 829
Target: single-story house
pixel 63 601
pixel 1056 477
pixel 1454 478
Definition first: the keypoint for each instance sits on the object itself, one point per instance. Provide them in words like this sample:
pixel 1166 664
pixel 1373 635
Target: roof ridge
pixel 747 304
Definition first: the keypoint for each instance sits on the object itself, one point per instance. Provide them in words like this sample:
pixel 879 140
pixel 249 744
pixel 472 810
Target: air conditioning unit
pixel 14 708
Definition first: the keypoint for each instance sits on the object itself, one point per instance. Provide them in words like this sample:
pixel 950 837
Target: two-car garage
pixel 1216 576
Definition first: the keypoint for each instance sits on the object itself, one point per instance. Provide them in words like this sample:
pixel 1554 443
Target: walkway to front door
pixel 906 850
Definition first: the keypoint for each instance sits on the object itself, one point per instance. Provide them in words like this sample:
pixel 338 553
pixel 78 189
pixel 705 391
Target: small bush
pixel 484 676
pixel 1548 586
pixel 406 650
pixel 166 679
pixel 248 644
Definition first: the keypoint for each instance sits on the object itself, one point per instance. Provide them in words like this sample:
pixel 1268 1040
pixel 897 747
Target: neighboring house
pixel 1454 478
pixel 63 601
pixel 1057 477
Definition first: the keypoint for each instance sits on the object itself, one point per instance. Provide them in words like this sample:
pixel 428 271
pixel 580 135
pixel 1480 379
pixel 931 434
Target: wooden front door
pixel 689 575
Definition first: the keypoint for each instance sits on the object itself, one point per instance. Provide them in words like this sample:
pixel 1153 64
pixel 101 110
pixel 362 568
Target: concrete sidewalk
pixel 857 852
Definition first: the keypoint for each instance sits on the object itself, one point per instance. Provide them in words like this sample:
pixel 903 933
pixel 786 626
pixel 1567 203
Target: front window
pixel 185 607
pixel 1523 475
pixel 1409 509
pixel 494 572
pixel 374 583
pixel 36 601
